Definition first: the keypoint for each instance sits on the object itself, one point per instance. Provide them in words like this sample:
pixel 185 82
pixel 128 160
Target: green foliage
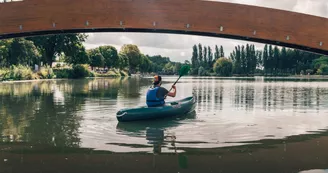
pixel 4 52
pixel 194 58
pixel 64 73
pixel 96 58
pixel 201 71
pixel 158 64
pixel 19 72
pixel 110 55
pixel 320 61
pixel 51 45
pixel 132 54
pixel 23 52
pixel 223 67
pixel 323 69
pixel 77 71
pixel 123 61
pixel 76 55
pixel 145 65
pixel 46 73
pixel 81 71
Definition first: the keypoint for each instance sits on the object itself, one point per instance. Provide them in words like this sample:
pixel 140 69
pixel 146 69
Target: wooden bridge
pixel 195 17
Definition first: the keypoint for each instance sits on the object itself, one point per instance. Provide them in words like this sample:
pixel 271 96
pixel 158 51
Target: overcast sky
pixel 179 47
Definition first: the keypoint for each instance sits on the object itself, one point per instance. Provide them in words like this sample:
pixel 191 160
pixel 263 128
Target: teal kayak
pixel 170 109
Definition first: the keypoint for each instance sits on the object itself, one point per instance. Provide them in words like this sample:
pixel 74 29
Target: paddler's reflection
pixel 158 139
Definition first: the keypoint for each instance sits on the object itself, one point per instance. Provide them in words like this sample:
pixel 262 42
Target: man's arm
pixel 173 93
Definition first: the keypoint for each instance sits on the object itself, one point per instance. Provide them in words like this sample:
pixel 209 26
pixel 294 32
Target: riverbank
pixel 25 73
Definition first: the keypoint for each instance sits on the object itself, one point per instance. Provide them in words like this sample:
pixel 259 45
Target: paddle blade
pixel 184 70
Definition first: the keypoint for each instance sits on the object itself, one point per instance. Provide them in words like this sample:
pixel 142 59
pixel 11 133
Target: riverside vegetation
pixel 64 56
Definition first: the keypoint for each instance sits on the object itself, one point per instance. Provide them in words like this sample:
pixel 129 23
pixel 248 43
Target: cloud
pixel 179 47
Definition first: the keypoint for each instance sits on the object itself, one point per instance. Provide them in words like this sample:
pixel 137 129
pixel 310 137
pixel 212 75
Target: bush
pixel 201 71
pixel 63 73
pixel 223 67
pixel 323 69
pixel 46 73
pixel 20 73
pixel 81 71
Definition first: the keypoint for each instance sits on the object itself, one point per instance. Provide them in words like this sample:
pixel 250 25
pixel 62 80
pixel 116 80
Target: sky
pixel 179 47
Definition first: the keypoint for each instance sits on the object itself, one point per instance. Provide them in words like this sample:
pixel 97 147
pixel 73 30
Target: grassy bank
pixel 25 73
pixel 113 73
pixel 16 73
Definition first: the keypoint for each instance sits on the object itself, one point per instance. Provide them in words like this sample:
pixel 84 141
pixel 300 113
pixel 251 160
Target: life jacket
pixel 151 98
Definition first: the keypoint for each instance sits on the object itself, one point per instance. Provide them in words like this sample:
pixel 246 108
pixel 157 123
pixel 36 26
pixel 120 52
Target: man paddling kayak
pixel 156 94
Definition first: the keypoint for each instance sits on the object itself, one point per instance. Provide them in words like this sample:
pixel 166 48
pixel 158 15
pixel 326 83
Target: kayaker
pixel 156 94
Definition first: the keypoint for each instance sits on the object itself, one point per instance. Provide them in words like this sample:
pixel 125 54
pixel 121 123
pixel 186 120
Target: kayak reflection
pixel 158 133
pixel 136 129
pixel 157 138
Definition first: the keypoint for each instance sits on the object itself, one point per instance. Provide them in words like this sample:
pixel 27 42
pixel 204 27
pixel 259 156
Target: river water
pixel 239 125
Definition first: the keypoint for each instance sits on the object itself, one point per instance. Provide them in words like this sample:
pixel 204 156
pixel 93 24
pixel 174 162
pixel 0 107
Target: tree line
pixel 246 60
pixel 243 60
pixel 70 49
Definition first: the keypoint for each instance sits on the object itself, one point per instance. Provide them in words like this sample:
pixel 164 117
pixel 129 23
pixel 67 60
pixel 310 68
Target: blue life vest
pixel 151 98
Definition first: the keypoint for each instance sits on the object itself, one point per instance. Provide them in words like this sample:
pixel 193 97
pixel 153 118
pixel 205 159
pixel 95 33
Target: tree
pixel 217 53
pixel 253 59
pixel 145 65
pixel 270 59
pixel 200 54
pixel 210 57
pixel 259 59
pixel 204 64
pixel 248 59
pixel 77 56
pixel 177 67
pixel 320 63
pixel 51 45
pixel 123 62
pixel 223 66
pixel 4 52
pixel 221 51
pixel 265 59
pixel 194 58
pixel 96 58
pixel 276 59
pixel 243 60
pixel 283 60
pixel 237 68
pixel 132 54
pixel 23 52
pixel 187 62
pixel 111 56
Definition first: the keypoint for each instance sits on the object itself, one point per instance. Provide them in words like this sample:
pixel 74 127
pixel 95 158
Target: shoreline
pixel 316 77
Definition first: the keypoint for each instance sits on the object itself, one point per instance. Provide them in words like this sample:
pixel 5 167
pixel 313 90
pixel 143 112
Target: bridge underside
pixel 204 18
pixel 236 37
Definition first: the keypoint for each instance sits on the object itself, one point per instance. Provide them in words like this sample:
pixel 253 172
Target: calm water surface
pixel 258 124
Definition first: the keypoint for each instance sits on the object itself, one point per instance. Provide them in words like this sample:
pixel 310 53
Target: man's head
pixel 157 80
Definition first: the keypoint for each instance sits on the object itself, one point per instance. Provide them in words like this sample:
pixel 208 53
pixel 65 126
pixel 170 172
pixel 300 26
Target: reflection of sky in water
pixel 59 97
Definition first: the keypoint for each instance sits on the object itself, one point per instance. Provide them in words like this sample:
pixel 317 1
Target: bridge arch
pixel 194 17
